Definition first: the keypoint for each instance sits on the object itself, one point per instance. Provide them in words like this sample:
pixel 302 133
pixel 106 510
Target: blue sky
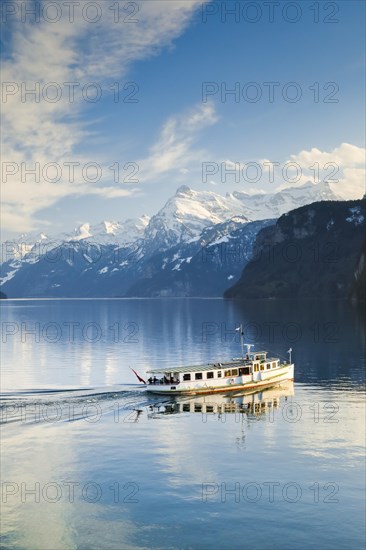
pixel 169 53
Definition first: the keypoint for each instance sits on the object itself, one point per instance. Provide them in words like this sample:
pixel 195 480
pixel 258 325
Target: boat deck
pixel 209 366
pixel 204 367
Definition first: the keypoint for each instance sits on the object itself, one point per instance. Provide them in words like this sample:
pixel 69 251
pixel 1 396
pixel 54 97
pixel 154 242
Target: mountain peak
pixel 183 190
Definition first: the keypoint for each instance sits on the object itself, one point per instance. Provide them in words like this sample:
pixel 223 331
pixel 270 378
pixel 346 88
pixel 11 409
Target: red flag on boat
pixel 139 377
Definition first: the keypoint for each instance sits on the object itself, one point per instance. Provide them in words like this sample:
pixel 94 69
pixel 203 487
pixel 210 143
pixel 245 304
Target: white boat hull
pixel 260 379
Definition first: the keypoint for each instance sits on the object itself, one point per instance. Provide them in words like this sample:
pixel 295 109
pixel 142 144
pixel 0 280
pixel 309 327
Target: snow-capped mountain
pixel 264 206
pixel 135 256
pixel 104 233
pixel 185 216
pixel 205 266
pixel 189 212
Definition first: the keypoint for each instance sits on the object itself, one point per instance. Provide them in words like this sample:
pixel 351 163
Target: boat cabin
pixel 245 366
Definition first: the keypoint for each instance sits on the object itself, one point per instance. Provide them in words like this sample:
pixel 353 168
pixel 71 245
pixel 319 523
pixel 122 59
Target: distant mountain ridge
pixel 184 216
pixel 151 256
pixel 189 212
pixel 103 233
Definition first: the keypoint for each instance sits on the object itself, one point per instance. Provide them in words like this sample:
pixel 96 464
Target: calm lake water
pixel 91 461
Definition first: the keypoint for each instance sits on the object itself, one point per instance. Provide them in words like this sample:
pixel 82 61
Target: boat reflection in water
pixel 245 403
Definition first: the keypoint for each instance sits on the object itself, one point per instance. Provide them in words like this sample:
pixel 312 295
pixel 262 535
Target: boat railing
pixel 162 381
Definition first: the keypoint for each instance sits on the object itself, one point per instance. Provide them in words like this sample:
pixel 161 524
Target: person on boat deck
pixel 150 380
pixel 154 380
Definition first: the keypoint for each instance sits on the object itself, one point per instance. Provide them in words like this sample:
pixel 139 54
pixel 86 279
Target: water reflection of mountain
pixel 245 403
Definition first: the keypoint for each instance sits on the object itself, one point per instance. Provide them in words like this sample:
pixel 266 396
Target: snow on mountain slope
pixel 184 217
pixel 202 267
pixel 34 244
pixel 118 232
pixel 196 243
pixel 108 232
pixel 20 246
pixel 264 206
pixel 189 212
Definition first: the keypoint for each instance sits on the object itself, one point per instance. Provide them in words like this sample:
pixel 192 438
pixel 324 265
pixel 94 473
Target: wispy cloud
pixel 175 148
pixel 69 52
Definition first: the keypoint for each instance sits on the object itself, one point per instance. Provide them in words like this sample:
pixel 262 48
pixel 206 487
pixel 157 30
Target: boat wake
pixel 126 403
pixel 72 404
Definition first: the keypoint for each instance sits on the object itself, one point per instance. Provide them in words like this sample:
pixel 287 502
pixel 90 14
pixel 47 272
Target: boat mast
pixel 240 329
pixel 289 352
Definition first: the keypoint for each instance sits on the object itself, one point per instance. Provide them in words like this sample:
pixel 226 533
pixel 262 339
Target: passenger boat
pixel 251 371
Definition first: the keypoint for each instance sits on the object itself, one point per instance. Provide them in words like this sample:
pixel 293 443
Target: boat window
pixel 210 375
pixel 186 376
pixel 209 409
pixel 234 372
pixel 273 365
pixel 268 365
pixel 244 370
pixel 227 373
pixel 262 367
pixel 219 374
pixel 256 368
pixel 197 407
pixel 186 407
pixel 198 376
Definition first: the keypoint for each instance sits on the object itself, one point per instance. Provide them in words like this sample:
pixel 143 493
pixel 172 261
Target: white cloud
pixel 343 167
pixel 175 147
pixel 71 52
pixel 344 155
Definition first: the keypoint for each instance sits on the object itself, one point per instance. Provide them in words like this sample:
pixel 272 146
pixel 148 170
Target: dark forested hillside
pixel 315 251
